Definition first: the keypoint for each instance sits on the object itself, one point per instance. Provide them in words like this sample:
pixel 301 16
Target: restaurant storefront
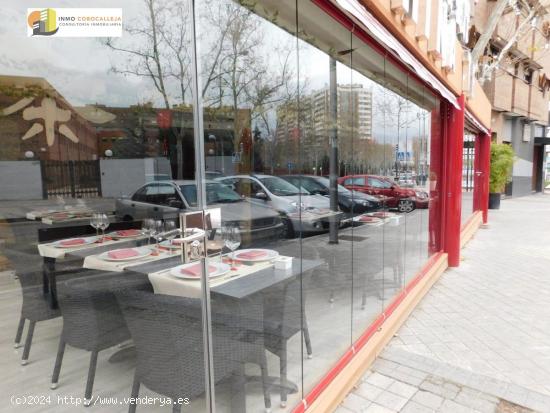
pixel 312 165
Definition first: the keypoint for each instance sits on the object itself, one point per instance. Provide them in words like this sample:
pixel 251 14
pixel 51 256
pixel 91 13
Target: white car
pixel 301 212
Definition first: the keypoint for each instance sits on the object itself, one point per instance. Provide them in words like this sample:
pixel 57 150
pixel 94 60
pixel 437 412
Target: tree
pixel 158 50
pixel 527 19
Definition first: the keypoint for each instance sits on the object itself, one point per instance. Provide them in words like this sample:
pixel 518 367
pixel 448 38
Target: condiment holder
pixel 283 263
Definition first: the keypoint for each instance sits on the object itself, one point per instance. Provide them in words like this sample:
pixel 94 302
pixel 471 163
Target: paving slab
pixel 479 341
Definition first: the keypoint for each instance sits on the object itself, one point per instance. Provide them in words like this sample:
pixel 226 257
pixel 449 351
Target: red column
pixel 485 168
pixel 437 177
pixel 478 172
pixel 453 185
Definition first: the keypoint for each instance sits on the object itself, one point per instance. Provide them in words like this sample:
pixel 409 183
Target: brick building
pixel 36 118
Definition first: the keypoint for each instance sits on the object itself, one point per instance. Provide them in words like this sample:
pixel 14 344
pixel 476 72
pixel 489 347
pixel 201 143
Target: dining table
pixel 50 250
pixel 241 292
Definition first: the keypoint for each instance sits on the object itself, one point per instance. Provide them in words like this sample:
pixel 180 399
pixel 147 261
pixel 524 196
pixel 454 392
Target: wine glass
pixel 158 231
pixel 231 236
pixel 170 231
pixel 103 224
pixel 94 222
pixel 147 227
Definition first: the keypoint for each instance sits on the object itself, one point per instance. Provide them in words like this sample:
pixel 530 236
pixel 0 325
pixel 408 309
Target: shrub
pixel 502 160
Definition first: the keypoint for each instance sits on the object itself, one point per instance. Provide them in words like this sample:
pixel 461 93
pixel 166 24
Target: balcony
pixel 498 92
pixel 539 104
pixel 520 104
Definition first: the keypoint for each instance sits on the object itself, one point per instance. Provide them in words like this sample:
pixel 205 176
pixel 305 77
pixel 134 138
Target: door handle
pixel 155 209
pixel 133 205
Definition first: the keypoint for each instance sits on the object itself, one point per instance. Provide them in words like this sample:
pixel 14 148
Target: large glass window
pixel 308 165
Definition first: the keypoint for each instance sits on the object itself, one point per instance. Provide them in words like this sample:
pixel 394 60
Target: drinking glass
pixel 94 222
pixel 231 236
pixel 158 231
pixel 170 231
pixel 147 227
pixel 103 224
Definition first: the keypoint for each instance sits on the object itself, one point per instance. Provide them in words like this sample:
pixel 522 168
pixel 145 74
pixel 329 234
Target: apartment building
pixel 517 87
pixel 266 63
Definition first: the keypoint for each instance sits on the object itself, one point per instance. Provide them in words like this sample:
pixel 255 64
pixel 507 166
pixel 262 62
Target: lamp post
pixel 213 137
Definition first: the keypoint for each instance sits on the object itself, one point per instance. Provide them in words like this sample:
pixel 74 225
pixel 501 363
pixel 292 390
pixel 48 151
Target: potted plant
pixel 502 160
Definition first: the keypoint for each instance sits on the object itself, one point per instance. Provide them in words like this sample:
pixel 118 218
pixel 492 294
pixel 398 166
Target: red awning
pixel 358 11
pixel 469 117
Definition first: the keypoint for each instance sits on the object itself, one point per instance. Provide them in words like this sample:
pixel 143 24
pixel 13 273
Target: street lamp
pixel 108 153
pixel 212 137
pixel 29 154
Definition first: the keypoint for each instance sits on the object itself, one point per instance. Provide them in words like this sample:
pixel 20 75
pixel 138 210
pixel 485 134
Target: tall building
pixel 312 121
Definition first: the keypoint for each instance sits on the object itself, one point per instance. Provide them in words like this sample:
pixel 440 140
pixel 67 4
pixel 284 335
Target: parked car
pixel 393 195
pixel 302 212
pixel 350 202
pixel 167 199
pixel 213 175
pixel 157 177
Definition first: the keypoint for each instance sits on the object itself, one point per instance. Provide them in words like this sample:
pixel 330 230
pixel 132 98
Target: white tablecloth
pixel 51 251
pixel 93 262
pixel 165 283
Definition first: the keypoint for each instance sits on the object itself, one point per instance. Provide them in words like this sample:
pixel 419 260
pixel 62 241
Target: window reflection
pixel 321 156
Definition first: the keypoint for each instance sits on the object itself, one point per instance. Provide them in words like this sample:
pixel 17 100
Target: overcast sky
pixel 79 68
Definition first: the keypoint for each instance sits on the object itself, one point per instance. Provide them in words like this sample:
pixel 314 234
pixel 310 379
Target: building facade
pixel 516 87
pixel 373 95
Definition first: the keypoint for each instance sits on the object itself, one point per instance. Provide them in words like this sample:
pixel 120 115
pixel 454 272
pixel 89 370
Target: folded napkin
pixel 250 255
pixel 121 254
pixel 369 219
pixel 128 232
pixel 177 241
pixel 72 242
pixel 195 270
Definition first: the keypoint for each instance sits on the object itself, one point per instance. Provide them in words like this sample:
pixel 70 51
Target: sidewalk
pixel 480 339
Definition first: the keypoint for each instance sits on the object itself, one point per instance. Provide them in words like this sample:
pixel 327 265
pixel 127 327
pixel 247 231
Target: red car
pixel 394 196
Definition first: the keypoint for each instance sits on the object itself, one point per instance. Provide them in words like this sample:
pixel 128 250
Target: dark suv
pixel 350 202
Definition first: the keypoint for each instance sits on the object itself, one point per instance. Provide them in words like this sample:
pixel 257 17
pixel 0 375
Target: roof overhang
pixel 382 35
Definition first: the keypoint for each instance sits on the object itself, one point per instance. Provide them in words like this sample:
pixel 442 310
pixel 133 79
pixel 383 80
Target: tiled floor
pixel 484 325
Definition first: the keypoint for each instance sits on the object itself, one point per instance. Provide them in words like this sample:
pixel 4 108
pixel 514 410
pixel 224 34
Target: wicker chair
pixel 35 308
pixel 167 332
pixel 284 317
pixel 92 321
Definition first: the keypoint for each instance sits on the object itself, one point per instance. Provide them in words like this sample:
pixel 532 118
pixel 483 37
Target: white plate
pixel 270 255
pixel 168 244
pixel 87 241
pixel 221 269
pixel 143 252
pixel 114 234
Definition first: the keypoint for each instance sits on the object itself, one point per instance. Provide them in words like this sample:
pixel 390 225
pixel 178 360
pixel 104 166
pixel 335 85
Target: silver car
pixel 167 199
pixel 301 211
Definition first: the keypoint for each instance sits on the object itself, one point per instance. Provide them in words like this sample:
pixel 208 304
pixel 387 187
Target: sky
pixel 80 68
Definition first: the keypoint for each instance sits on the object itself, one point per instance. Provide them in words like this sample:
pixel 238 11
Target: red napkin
pixel 71 242
pixel 121 254
pixel 195 270
pixel 250 255
pixel 128 232
pixel 177 241
pixel 368 219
